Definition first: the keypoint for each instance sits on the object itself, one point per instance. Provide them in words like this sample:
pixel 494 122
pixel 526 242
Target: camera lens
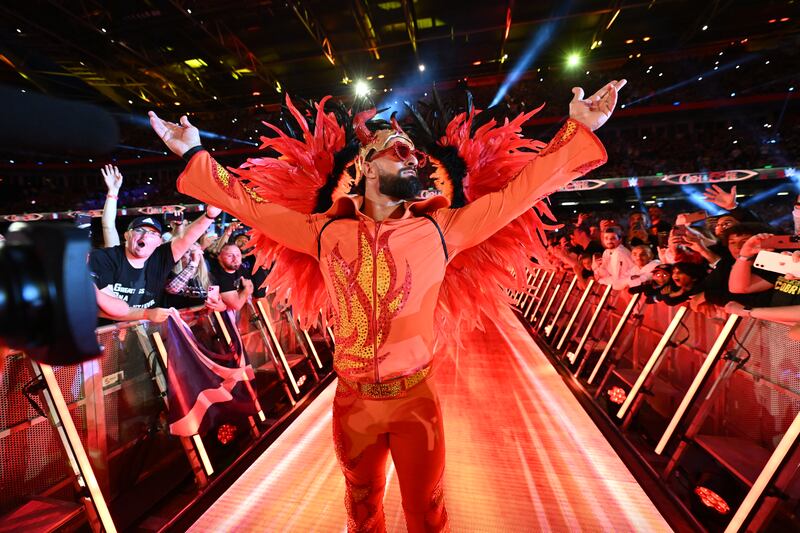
pixel 47 303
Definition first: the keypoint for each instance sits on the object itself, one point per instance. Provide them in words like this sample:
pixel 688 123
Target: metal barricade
pixel 91 442
pixel 713 403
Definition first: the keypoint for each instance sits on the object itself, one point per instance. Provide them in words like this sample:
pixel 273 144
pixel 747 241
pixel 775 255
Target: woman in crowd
pixel 189 281
pixel 686 279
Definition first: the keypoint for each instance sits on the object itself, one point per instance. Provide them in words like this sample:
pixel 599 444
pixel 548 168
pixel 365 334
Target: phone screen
pixel 213 292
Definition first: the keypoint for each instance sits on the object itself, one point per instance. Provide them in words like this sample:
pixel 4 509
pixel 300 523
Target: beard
pixel 398 186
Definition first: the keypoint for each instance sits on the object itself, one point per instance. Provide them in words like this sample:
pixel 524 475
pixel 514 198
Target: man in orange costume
pixel 383 258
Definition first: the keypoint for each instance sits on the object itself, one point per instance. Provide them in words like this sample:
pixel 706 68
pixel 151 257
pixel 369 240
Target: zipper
pixel 375 302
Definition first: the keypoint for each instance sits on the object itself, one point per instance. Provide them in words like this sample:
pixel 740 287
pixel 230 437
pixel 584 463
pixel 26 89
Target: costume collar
pixel 349 206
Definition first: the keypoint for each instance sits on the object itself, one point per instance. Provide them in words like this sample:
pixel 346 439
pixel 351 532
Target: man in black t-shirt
pixel 256 275
pixel 227 272
pixel 136 271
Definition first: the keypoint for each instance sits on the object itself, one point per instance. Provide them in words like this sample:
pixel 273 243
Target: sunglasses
pixel 403 152
pixel 145 231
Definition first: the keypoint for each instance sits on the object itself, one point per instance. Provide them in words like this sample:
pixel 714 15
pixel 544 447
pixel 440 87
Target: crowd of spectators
pixel 150 272
pixel 681 139
pixel 705 262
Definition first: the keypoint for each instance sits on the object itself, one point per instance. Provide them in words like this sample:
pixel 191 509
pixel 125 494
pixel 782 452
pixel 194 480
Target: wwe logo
pixel 633 182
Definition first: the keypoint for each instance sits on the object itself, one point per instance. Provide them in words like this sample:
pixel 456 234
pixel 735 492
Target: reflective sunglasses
pixel 402 152
pixel 145 231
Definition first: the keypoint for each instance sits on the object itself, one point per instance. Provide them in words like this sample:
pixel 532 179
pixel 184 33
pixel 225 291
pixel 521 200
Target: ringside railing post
pixel 193 446
pixel 549 328
pixel 94 502
pixel 575 313
pixel 613 339
pixel 260 412
pixel 528 315
pixel 699 379
pixel 543 317
pixel 651 362
pixel 276 343
pixel 573 356
pixel 523 295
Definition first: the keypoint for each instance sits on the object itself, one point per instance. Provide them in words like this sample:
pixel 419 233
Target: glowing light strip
pixel 278 347
pixel 313 349
pixel 526 292
pixel 547 308
pixel 532 316
pixel 198 442
pixel 613 339
pixel 522 295
pixel 716 349
pixel 574 355
pixel 610 22
pixel 78 451
pixel 162 351
pixel 764 478
pixel 652 361
pixel 552 324
pixel 575 313
pixel 223 328
pixel 535 296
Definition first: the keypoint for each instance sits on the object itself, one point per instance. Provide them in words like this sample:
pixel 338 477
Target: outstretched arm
pixel 572 152
pixel 113 178
pixel 210 182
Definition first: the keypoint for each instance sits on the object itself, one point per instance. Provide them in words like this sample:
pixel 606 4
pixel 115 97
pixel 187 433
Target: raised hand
pixel 113 178
pixel 594 111
pixel 213 211
pixel 178 137
pixel 717 195
pixel 752 246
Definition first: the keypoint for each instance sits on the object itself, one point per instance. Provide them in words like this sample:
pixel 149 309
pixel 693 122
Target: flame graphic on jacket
pixel 367 299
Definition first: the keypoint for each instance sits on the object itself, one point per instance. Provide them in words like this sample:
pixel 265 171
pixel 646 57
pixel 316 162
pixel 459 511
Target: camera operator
pixel 137 271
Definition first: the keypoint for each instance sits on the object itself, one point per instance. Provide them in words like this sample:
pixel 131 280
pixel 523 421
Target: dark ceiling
pixel 224 54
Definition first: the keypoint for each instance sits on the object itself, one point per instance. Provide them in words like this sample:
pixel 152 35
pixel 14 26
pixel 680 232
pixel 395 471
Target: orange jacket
pixel 384 277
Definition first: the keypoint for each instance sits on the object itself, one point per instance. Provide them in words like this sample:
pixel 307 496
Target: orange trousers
pixel 366 431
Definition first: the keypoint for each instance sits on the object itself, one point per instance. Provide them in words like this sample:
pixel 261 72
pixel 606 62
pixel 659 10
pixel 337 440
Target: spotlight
pixel 421 67
pixel 712 500
pixel 573 60
pixel 617 395
pixel 226 432
pixel 705 28
pixel 362 88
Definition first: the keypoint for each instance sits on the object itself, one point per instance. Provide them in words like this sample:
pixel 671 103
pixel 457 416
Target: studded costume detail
pixel 363 315
pixel 224 179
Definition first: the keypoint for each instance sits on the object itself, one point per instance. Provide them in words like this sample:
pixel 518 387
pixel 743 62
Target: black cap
pixel 138 222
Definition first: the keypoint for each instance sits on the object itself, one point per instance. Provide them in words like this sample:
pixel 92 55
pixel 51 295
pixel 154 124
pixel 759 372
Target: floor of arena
pixel 522 455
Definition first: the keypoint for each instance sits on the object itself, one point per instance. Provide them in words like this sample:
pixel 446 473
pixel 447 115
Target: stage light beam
pixel 573 60
pixel 362 88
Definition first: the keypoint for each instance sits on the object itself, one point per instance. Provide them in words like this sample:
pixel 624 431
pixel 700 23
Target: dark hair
pixel 745 228
pixel 695 271
pixel 614 229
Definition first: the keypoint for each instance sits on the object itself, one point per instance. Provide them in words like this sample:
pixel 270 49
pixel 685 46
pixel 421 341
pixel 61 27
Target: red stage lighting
pixel 226 433
pixel 617 395
pixel 712 500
